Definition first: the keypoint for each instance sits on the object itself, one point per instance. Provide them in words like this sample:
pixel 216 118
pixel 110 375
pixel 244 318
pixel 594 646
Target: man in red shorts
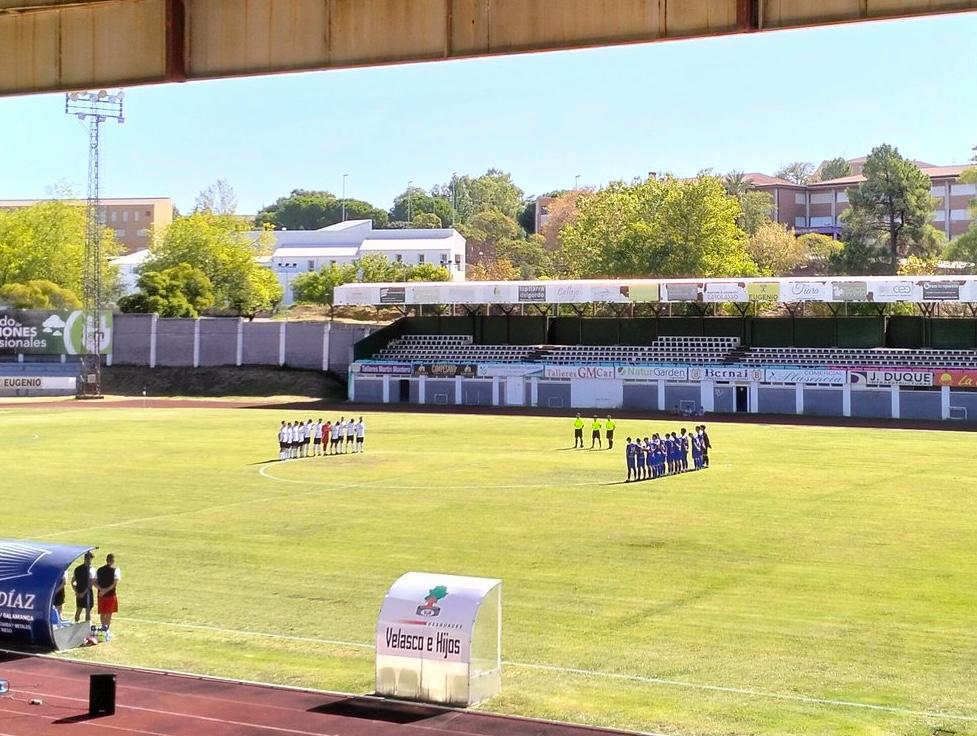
pixel 107 580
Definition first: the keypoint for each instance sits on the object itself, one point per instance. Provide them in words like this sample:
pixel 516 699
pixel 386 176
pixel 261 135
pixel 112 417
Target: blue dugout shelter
pixel 30 573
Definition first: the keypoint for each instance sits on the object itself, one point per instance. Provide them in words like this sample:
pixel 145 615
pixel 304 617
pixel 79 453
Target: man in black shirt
pixel 107 580
pixel 81 582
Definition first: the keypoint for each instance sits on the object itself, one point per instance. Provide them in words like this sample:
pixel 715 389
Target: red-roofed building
pixel 816 207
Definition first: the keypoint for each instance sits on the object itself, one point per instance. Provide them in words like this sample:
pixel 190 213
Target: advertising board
pixel 724 292
pixel 382 369
pixel 804 375
pixel 38 332
pixel 652 372
pixel 955 378
pixel 579 371
pixel 445 370
pixel 890 377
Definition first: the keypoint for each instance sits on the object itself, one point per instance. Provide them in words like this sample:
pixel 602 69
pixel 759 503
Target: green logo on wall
pixel 36 332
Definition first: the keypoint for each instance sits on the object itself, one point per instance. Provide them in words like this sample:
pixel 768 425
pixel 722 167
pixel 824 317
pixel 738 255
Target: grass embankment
pixel 221 382
pixel 834 564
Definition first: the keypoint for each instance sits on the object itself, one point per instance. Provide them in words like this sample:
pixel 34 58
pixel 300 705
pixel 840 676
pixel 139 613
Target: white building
pixel 129 266
pixel 302 251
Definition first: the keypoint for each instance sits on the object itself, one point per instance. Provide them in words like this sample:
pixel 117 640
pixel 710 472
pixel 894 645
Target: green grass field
pixel 811 572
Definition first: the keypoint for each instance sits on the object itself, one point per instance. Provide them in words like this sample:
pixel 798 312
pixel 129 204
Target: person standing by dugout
pixel 107 580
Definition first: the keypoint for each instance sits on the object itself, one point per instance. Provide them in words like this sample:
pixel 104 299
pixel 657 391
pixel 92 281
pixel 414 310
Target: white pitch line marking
pixel 605 675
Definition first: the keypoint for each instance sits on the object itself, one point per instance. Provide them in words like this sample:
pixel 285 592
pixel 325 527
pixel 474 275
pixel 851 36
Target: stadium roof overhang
pixel 871 289
pixel 51 45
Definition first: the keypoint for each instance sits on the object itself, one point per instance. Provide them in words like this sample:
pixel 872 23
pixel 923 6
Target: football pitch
pixel 812 581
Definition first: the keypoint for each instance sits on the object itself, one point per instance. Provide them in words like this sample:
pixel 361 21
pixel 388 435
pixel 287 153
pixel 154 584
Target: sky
pixel 747 103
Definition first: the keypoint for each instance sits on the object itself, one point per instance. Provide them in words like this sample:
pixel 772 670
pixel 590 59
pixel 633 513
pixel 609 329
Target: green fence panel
pixel 604 331
pixel 493 330
pixel 527 330
pixel 954 334
pixel 680 326
pixel 724 327
pixel 861 332
pixel 564 331
pixel 372 344
pixel 815 332
pixel 771 332
pixel 639 331
pixel 906 332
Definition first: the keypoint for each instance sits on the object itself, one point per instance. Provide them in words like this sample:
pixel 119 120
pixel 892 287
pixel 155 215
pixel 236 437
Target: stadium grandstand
pixel 683 345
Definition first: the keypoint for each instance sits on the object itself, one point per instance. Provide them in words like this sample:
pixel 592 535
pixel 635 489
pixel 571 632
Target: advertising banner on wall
pixel 610 293
pixel 393 295
pixel 563 293
pixel 892 291
pixel 724 292
pixel 11 384
pixel 805 291
pixel 725 373
pixel 505 370
pixel 761 291
pixel 956 378
pixel 579 371
pixel 445 370
pixel 804 375
pixel 890 377
pixel 941 291
pixel 681 292
pixel 652 372
pixel 382 369
pixel 849 291
pixel 37 332
pixel 641 293
pixel 533 293
pixel 423 294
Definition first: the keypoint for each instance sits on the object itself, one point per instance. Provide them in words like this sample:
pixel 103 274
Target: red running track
pixel 163 704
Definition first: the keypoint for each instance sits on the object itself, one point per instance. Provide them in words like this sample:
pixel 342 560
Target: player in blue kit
pixel 696 452
pixel 630 454
pixel 684 450
pixel 640 458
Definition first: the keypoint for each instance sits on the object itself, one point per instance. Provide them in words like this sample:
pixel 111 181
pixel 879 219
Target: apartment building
pixel 816 207
pixel 132 219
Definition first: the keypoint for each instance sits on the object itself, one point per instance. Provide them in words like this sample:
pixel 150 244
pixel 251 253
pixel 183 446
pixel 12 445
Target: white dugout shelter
pixel 439 639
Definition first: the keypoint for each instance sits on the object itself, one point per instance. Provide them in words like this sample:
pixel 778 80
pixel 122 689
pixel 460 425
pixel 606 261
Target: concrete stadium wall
pixel 147 340
pixel 218 341
pixel 881 402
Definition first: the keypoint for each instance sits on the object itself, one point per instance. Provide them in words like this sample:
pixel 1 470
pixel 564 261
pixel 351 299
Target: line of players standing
pixel 309 439
pixel 658 456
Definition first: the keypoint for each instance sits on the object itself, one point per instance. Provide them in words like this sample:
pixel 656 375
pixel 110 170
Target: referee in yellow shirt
pixel 578 433
pixel 609 428
pixel 595 433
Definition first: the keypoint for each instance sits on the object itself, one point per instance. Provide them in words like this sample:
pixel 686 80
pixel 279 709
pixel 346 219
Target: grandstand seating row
pixel 668 349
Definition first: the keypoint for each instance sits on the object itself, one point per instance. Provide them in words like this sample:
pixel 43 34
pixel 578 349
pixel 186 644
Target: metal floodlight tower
pixel 96 108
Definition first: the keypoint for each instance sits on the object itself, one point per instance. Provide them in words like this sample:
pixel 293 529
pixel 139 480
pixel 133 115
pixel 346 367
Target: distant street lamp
pixel 287 267
pixel 344 196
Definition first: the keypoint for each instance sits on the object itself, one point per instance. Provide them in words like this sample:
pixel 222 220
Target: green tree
pixel 891 207
pixel 493 190
pixel 834 168
pixel 312 210
pixel 317 287
pixel 528 257
pixel 181 291
pixel 414 201
pixel 757 210
pixel 255 290
pixel 659 227
pixel 221 248
pixel 775 249
pixel 38 294
pixel 46 242
pixel 964 249
pixel 736 184
pixel 426 221
pixel 798 172
pixel 819 250
pixel 428 272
